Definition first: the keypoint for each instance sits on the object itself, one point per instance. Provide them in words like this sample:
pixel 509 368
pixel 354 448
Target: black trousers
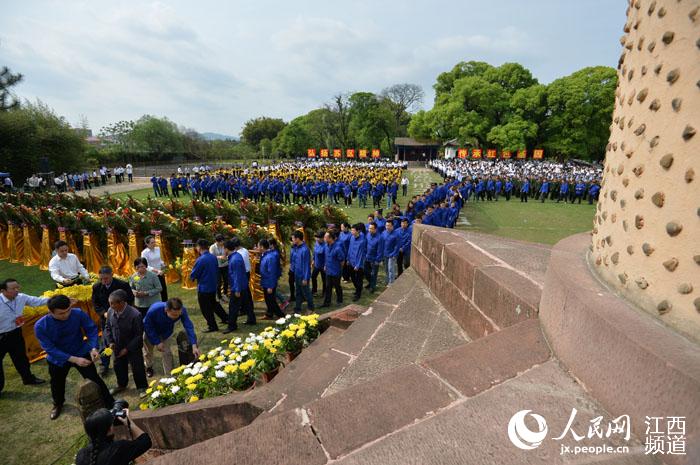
pixel 333 282
pixel 222 288
pixel 12 343
pixel 292 293
pixel 164 292
pixel 403 261
pixel 238 305
pixel 58 381
pixel 121 369
pixel 347 271
pixel 273 308
pixel 357 279
pixel 314 280
pixel 209 306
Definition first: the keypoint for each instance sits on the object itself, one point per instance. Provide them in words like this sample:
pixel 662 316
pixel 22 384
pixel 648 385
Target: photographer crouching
pixel 103 449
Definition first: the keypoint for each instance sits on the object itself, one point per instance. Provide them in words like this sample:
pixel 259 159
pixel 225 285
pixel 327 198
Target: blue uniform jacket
pixel 206 272
pixel 159 326
pixel 335 256
pixel 301 262
pixel 391 244
pixel 236 273
pixel 269 270
pixel 64 339
pixel 357 251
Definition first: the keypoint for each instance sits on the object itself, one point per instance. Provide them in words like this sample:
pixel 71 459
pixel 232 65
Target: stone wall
pixel 483 293
pixel 646 236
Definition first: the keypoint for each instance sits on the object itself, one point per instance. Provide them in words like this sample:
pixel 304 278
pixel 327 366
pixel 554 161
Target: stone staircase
pixel 414 380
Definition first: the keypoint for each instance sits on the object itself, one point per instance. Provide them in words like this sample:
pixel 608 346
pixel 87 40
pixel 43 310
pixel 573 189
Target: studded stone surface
pixel 652 157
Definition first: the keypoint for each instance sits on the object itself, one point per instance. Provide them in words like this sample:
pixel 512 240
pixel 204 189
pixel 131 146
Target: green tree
pixel 8 100
pixel 401 99
pixel 158 137
pixel 261 128
pixel 294 139
pixel 445 81
pixel 372 120
pixel 34 131
pixel 580 109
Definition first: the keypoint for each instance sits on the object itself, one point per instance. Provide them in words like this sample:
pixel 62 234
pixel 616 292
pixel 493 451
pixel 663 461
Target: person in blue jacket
pixel 60 334
pixel 163 186
pixel 374 257
pixel 357 253
pixel 579 190
pixel 159 326
pixel 302 272
pixel 405 233
pixel 563 191
pixel 525 190
pixel 269 275
pixel 206 272
pixel 593 191
pixel 508 189
pixel 319 265
pixel 344 240
pixel 156 186
pixel 391 251
pixel 335 256
pixel 544 190
pixel 238 285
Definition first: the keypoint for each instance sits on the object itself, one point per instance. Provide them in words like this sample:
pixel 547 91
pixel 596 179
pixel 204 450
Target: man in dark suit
pixel 100 300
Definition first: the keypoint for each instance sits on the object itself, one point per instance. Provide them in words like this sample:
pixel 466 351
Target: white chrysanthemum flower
pixel 187 371
pixel 197 365
pixel 238 358
pixel 174 389
pixel 281 321
pixel 155 394
pixel 296 315
pixel 244 353
pixel 287 317
pixel 237 340
pixel 220 374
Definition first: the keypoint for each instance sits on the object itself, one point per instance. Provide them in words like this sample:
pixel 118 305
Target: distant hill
pixel 215 136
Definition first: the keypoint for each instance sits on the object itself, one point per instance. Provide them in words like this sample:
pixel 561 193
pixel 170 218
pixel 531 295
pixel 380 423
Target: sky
pixel 213 65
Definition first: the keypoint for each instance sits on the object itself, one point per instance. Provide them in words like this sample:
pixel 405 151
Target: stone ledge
pixel 481 291
pixel 629 361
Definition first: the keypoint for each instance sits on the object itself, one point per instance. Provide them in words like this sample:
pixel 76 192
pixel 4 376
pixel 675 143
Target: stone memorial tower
pixel 646 233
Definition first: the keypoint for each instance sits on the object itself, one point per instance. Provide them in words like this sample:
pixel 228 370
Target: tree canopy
pixel 255 130
pixel 33 131
pixel 505 107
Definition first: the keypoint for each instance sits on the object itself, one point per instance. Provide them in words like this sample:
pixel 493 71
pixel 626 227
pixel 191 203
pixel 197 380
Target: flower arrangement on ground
pixel 235 364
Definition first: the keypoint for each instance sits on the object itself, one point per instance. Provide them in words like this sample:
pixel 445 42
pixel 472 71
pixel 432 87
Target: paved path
pixel 139 183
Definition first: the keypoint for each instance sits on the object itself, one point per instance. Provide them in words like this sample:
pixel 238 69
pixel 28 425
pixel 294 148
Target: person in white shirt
pixel 12 303
pixel 404 186
pixel 130 172
pixel 155 263
pixel 219 251
pixel 65 268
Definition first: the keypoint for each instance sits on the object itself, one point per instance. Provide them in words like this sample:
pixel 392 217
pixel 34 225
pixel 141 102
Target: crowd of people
pixel 482 180
pixel 78 181
pixel 306 181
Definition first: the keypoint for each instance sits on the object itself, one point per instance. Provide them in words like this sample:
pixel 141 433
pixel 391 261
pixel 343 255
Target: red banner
pixel 462 153
pixel 311 153
pixel 538 154
pixel 324 153
pixel 522 154
pixel 363 153
pixel 476 153
pixel 337 153
pixel 376 153
pixel 506 154
pixel 350 153
pixel 491 153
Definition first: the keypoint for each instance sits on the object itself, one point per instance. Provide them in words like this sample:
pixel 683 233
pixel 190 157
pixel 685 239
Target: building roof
pixel 410 142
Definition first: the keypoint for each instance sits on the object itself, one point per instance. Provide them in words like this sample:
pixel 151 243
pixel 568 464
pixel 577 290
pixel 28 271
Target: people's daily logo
pixel 521 435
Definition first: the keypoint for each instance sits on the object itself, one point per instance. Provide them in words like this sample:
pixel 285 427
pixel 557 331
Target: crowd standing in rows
pixel 541 180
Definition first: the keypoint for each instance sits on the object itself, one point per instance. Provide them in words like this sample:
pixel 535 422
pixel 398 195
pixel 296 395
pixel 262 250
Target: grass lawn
pixel 533 221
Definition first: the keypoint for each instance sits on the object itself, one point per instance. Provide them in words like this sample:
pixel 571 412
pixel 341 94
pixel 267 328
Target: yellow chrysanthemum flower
pixel 193 399
pixel 143 406
pixel 191 387
pixel 301 332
